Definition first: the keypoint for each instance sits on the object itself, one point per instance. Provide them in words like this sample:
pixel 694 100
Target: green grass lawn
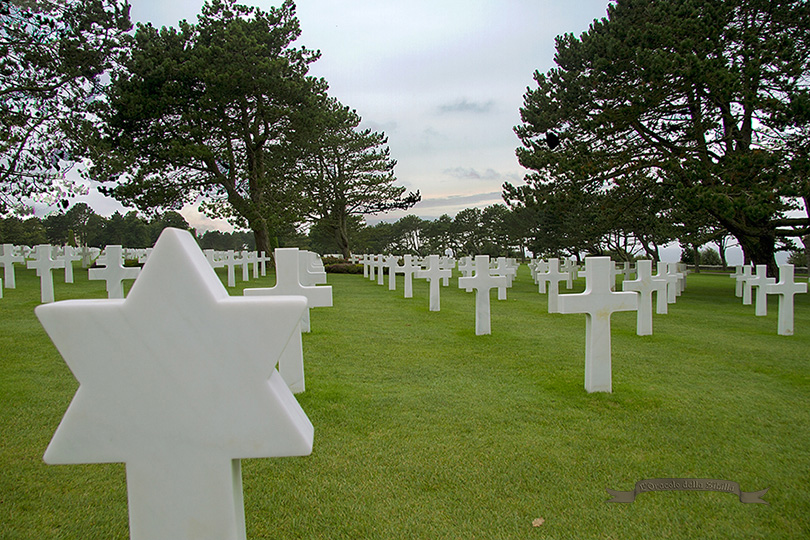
pixel 425 430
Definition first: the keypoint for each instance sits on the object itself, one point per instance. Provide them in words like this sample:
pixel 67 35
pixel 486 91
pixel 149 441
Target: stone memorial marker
pixel 7 260
pixel 540 268
pixel 786 288
pixel 310 269
pixel 761 281
pixel 466 266
pixel 434 273
pixel 747 289
pixel 366 262
pixel 392 263
pixel 291 362
pixel 598 302
pixel 408 270
pixel 553 276
pixel 172 384
pixel 503 268
pixel 737 277
pixel 380 264
pixel 570 268
pixel 263 259
pixel 114 273
pixel 645 284
pixel 69 255
pixel 44 265
pixel 244 262
pixel 447 263
pixel 231 262
pixel 482 281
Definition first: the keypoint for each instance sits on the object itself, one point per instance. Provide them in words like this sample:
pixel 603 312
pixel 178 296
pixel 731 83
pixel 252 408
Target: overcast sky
pixel 444 79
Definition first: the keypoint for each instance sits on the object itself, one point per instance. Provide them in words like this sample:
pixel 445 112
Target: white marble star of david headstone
pixel 171 383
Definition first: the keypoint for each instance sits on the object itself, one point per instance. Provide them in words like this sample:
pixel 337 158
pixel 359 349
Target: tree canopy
pixel 702 104
pixel 53 56
pixel 216 110
pixel 349 172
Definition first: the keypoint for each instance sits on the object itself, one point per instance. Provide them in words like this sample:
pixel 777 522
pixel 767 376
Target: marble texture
pixel 172 383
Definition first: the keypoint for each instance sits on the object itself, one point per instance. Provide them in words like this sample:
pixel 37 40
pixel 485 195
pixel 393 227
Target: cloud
pixel 474 199
pixel 472 174
pixel 465 106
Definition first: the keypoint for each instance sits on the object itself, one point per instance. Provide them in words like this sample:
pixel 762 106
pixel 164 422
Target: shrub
pixel 343 268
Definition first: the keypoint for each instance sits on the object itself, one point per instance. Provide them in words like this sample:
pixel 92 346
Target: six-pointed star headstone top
pixel 171 382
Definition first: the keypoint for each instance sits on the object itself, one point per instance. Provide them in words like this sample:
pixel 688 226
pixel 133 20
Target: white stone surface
pixel 7 260
pixel 761 281
pixel 69 255
pixel 747 292
pixel 598 302
pixel 409 269
pixel 482 281
pixel 44 264
pixel 786 288
pixel 114 272
pixel 645 284
pixel 553 277
pixel 434 273
pixel 172 383
pixel 392 263
pixel 231 262
pixel 291 362
pixel 737 277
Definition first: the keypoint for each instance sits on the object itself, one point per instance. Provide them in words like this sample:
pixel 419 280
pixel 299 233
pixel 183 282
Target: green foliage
pixel 53 57
pixel 222 108
pixel 349 172
pixel 700 97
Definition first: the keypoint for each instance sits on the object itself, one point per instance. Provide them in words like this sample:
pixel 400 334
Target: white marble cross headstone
pixel 44 265
pixel 114 273
pixel 392 263
pixel 434 273
pixel 447 263
pixel 645 284
pixel 786 288
pixel 171 383
pixel 380 264
pixel 569 267
pixel 7 260
pixel 70 254
pixel 466 266
pixel 598 302
pixel 291 362
pixel 553 276
pixel 747 289
pixel 737 277
pixel 761 280
pixel 482 281
pixel 409 269
pixel 231 262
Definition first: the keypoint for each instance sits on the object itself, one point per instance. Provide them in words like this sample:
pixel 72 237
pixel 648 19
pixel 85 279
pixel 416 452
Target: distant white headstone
pixel 114 272
pixel 482 281
pixel 645 284
pixel 7 260
pixel 761 281
pixel 434 273
pixel 44 264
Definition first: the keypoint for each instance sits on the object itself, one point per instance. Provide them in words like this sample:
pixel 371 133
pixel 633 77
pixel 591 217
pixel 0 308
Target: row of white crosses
pixel 171 383
pixel 786 288
pixel 479 275
pixel 230 259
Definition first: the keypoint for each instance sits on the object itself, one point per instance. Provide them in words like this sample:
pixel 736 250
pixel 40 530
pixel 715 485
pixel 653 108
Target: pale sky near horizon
pixel 444 79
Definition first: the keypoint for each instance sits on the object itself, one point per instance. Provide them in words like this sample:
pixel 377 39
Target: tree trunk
pixel 696 257
pixel 760 250
pixel 262 237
